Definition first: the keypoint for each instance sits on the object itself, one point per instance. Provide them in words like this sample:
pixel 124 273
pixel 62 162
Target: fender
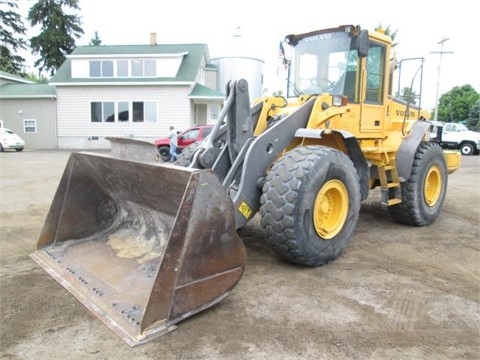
pixel 408 147
pixel 353 151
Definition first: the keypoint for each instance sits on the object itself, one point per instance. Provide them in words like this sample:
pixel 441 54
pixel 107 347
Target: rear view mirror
pixel 363 43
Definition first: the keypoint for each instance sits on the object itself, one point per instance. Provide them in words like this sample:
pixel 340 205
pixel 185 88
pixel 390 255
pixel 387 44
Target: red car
pixel 185 138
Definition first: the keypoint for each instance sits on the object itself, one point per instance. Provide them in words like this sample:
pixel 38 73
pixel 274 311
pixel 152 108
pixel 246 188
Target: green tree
pixel 473 121
pixel 95 40
pixel 387 31
pixel 58 32
pixel 12 31
pixel 455 105
pixel 408 95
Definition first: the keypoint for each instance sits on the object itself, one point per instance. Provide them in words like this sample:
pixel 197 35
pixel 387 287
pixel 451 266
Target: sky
pixel 263 24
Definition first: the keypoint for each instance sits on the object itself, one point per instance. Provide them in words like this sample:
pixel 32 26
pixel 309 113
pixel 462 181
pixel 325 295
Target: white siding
pixel 211 79
pixel 80 68
pixel 75 129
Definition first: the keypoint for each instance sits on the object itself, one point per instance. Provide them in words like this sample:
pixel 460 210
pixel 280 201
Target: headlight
pixel 339 100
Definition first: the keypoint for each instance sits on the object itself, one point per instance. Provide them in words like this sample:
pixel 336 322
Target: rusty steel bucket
pixel 142 245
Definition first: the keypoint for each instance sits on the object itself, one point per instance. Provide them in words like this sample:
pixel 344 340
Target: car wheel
pixel 164 153
pixel 1 148
pixel 19 149
pixel 467 149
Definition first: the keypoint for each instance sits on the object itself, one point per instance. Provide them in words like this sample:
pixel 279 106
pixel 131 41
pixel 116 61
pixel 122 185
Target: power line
pixel 441 52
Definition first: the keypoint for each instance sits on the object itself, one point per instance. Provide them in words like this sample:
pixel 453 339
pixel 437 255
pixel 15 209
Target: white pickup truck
pixel 456 136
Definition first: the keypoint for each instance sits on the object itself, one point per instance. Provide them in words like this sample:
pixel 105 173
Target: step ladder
pixel 390 184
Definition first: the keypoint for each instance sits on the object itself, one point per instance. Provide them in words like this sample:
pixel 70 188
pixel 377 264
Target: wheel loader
pixel 145 244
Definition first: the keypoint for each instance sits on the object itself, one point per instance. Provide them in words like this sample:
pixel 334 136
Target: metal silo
pixel 239 62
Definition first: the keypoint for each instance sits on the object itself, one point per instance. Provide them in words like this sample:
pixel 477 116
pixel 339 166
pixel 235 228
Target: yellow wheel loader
pixel 145 244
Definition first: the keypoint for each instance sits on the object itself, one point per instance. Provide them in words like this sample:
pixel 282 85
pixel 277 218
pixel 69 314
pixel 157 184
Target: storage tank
pixel 239 62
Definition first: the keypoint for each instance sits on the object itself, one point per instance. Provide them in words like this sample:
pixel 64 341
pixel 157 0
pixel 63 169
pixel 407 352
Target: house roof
pixel 15 78
pixel 9 91
pixel 201 92
pixel 192 59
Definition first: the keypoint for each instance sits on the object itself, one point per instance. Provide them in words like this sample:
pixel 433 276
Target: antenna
pixel 441 52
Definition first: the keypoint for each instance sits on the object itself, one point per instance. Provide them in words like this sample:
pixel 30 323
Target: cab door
pixel 374 87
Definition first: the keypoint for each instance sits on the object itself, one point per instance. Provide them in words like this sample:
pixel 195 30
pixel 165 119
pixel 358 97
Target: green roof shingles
pixel 26 91
pixel 187 72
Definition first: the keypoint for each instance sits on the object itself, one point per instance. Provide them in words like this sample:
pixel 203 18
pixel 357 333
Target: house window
pixel 150 111
pixel 102 111
pixel 122 68
pixel 123 111
pixel 150 68
pixel 143 68
pixel 144 111
pixel 214 111
pixel 95 69
pixel 30 126
pixel 140 111
pixel 109 111
pixel 103 68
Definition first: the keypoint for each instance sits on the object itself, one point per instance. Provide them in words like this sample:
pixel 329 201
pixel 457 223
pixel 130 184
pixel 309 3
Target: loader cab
pixel 344 61
pixel 327 61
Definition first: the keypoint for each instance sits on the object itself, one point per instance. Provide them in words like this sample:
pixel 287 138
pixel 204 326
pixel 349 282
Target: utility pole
pixel 441 52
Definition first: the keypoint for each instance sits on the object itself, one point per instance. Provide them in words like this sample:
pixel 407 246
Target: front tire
pixel 310 205
pixel 424 192
pixel 164 152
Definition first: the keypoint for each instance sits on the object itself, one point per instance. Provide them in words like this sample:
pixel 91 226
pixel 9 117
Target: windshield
pixel 324 63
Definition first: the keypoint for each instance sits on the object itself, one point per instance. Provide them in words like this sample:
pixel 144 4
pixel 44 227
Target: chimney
pixel 153 39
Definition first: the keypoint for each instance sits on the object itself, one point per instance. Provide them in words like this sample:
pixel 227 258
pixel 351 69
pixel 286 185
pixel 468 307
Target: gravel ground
pixel 397 292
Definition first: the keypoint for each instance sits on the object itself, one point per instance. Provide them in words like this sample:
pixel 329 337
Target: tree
pixel 455 105
pixel 96 40
pixel 408 95
pixel 11 38
pixel 58 32
pixel 388 32
pixel 473 121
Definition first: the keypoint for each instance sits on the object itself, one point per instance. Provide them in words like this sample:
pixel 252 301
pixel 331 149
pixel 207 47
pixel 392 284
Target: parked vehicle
pixel 185 138
pixel 10 140
pixel 456 136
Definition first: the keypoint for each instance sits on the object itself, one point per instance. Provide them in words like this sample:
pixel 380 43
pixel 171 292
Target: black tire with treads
pixel 288 201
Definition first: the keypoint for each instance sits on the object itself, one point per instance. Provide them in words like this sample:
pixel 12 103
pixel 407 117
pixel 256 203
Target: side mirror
pixel 363 43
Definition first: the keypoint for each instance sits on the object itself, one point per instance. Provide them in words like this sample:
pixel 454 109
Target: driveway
pixel 397 292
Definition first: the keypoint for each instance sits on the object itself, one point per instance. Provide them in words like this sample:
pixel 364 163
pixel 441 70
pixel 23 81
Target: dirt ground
pixel 397 292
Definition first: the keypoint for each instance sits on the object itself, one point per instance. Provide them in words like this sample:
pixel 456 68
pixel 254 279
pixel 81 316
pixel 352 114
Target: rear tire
pixel 164 152
pixel 424 192
pixel 310 205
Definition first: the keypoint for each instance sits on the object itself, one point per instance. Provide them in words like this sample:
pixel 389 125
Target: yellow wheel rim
pixel 330 209
pixel 433 185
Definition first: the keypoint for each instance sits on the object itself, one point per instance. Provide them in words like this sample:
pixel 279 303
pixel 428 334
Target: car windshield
pixel 7 131
pixel 323 63
pixel 462 127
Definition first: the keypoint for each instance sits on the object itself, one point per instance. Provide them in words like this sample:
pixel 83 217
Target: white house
pixel 133 90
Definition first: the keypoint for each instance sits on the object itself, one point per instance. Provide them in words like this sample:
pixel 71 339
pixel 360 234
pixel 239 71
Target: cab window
pixel 375 73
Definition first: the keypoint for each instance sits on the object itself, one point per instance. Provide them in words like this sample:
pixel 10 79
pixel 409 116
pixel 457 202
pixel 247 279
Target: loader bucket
pixel 142 245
